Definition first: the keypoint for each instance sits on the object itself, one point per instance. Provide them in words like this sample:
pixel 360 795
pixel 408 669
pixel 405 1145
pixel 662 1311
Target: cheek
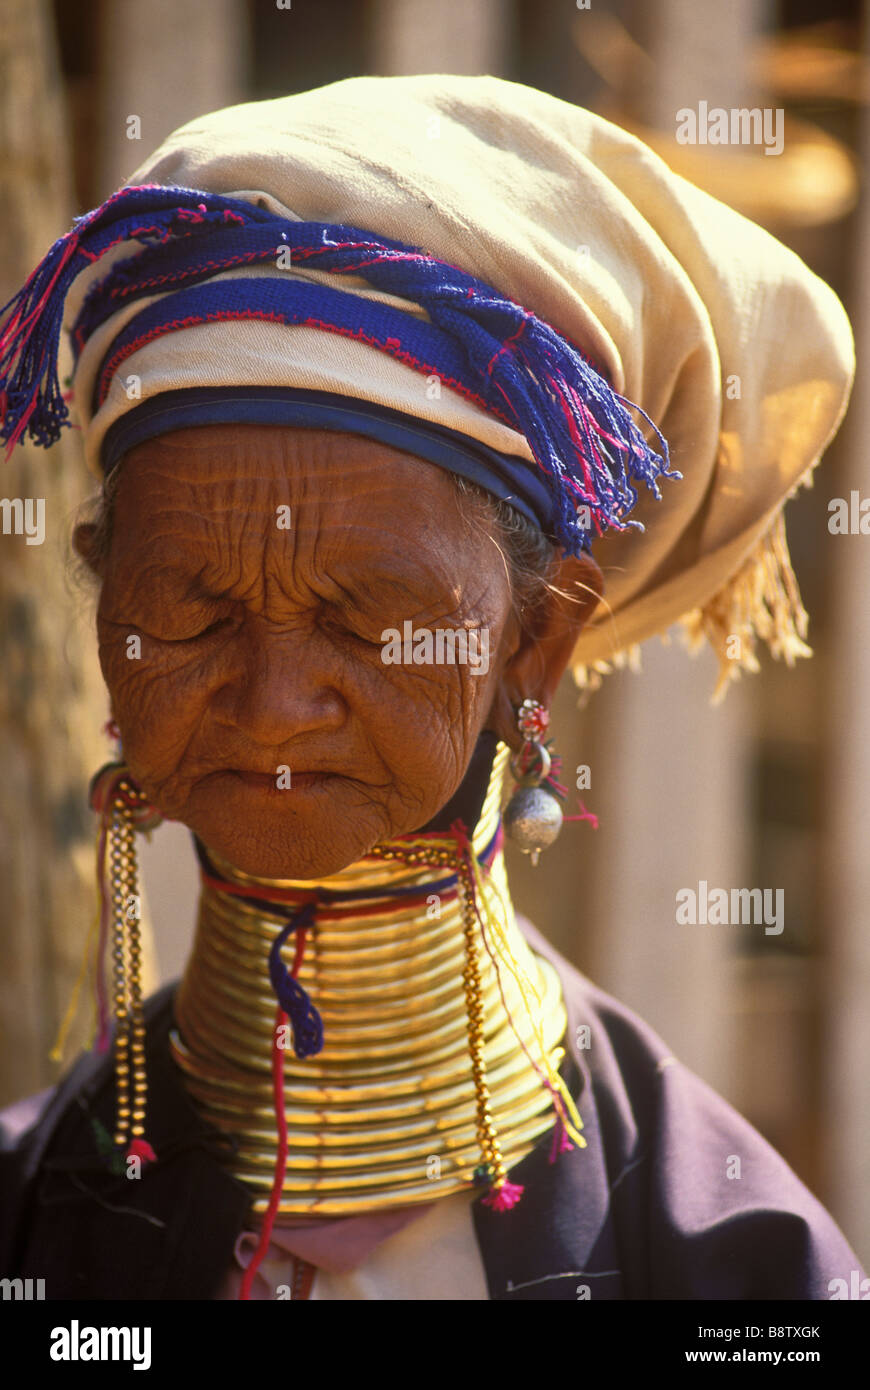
pixel 158 697
pixel 428 739
pixel 426 722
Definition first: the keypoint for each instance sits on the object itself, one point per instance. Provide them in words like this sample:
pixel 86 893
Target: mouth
pixel 290 781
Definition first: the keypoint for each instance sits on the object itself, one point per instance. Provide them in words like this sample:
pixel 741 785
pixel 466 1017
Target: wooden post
pixel 414 36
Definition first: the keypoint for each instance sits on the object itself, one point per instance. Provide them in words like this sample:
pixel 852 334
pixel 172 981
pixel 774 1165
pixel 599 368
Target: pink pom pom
pixel 504 1197
pixel 140 1148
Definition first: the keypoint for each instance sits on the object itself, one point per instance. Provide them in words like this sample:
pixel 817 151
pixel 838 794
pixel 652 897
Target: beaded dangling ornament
pixel 123 809
pixel 533 817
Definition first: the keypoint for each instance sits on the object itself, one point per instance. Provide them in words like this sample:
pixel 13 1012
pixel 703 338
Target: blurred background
pixel 767 790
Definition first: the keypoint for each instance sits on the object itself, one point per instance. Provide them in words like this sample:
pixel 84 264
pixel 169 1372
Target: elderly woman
pixel 370 377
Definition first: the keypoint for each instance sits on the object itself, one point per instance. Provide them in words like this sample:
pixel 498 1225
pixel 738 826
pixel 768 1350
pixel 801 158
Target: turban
pixel 518 289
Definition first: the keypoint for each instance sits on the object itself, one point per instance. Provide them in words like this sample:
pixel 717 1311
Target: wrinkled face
pixel 259 567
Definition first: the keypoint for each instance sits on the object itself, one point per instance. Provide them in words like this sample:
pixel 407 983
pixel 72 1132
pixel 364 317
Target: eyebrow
pixel 375 586
pixel 191 582
pixel 372 585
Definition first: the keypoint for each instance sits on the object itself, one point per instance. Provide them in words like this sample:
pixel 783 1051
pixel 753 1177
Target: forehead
pixel 222 485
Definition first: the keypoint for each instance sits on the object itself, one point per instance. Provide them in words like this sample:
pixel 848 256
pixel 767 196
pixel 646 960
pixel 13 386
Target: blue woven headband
pixel 508 477
pixel 588 451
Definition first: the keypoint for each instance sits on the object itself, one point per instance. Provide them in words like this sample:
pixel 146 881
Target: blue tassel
pixel 306 1021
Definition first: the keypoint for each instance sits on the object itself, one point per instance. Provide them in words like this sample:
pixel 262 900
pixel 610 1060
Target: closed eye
pixel 354 628
pixel 196 636
pixel 205 632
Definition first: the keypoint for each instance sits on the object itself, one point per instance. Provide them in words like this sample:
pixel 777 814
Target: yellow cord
pixel 56 1053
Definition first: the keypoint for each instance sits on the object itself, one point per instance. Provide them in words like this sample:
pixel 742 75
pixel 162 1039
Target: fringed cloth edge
pixel 761 601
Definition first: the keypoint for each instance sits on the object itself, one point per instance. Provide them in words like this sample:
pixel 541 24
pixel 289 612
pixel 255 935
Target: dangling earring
pixel 533 817
pixel 123 809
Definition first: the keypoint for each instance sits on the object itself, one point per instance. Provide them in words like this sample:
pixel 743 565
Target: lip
pixel 298 780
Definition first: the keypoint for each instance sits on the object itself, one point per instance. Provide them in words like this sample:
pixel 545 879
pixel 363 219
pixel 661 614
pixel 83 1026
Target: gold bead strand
pixel 134 979
pixel 492 1170
pixel 120 860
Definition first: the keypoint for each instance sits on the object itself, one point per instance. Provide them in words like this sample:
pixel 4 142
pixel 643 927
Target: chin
pixel 276 851
pixel 292 863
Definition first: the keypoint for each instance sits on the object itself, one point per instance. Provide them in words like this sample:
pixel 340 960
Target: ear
pixel 542 654
pixel 84 544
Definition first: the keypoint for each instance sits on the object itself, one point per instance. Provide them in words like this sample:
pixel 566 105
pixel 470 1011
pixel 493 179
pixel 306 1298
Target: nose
pixel 279 684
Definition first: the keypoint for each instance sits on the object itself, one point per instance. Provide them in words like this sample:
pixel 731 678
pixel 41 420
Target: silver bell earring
pixel 533 817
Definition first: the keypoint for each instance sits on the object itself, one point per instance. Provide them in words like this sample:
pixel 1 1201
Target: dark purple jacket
pixel 646 1211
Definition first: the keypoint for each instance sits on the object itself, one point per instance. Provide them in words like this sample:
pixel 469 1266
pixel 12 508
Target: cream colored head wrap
pixel 741 356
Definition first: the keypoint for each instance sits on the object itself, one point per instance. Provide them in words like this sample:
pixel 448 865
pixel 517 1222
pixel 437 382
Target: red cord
pixel 281 1117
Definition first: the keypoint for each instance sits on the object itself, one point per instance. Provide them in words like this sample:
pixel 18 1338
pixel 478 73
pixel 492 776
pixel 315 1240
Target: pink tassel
pixel 561 1143
pixel 586 815
pixel 504 1197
